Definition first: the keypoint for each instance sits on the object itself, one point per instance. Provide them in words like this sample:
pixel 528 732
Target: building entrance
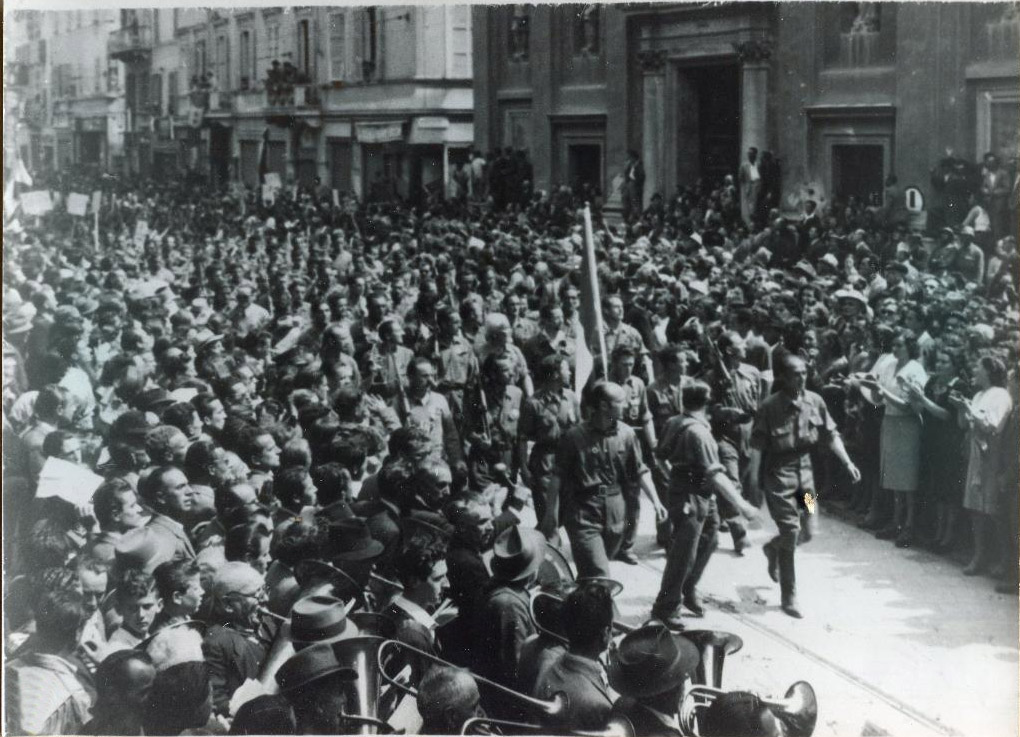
pixel 708 123
pixel 857 172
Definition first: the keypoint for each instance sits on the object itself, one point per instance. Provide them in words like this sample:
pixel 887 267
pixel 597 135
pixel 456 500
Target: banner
pixel 77 204
pixel 97 201
pixel 36 203
pixel 591 313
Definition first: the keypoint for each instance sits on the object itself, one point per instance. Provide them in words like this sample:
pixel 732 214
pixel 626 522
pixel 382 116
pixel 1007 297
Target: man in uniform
pixel 490 421
pixel 696 476
pixel 665 401
pixel 617 333
pixel 637 415
pixel 429 412
pixel 788 425
pixel 456 363
pixel 736 386
pixel 597 461
pixel 545 417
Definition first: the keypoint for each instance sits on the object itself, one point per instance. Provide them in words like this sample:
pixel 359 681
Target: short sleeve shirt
pixel 588 458
pixel 785 430
pixel 693 454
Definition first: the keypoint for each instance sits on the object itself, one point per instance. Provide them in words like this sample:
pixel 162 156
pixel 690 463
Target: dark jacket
pixel 232 659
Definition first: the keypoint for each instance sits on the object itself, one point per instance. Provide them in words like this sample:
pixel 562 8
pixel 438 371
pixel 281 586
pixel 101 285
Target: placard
pixel 336 198
pixel 77 204
pixel 273 180
pixel 141 228
pixel 97 200
pixel 68 481
pixel 36 203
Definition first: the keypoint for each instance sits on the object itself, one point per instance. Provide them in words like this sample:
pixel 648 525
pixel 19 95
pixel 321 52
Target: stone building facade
pixel 843 94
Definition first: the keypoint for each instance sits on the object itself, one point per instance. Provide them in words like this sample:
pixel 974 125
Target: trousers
pixel 594 524
pixel 695 537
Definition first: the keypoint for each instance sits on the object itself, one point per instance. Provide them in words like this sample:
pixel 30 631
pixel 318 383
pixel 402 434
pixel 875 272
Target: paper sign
pixel 336 198
pixel 77 204
pixel 273 180
pixel 475 242
pixel 97 200
pixel 141 228
pixel 268 193
pixel 38 202
pixel 68 481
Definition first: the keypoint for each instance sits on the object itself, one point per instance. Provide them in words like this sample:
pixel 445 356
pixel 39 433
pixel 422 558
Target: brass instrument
pixel 360 654
pixel 797 711
pixel 554 708
pixel 617 726
pixel 714 648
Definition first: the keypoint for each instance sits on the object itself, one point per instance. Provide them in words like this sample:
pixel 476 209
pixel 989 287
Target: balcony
pixel 130 44
pixel 281 99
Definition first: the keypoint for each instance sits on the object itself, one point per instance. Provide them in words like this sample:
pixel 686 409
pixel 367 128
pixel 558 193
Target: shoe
pixel 724 526
pixel 975 568
pixel 773 561
pixel 674 622
pixel 887 533
pixel 1007 587
pixel 739 546
pixel 904 539
pixel 693 603
pixel 791 609
pixel 627 557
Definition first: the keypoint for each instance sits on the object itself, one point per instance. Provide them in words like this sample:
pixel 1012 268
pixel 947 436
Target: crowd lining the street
pixel 314 410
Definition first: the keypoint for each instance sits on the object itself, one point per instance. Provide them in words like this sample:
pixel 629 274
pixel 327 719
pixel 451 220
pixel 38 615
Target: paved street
pixel 894 642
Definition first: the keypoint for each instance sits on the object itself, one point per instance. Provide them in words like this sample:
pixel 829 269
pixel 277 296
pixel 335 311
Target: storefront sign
pixel 380 132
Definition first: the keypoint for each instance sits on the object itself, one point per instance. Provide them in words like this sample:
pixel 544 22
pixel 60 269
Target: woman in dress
pixel 944 463
pixel 900 452
pixel 984 417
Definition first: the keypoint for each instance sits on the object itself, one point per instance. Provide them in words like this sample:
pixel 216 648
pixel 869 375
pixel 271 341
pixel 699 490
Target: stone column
pixel 653 124
pixel 754 87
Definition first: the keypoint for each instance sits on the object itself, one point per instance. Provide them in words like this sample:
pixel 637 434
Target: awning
pixel 380 132
pixel 439 130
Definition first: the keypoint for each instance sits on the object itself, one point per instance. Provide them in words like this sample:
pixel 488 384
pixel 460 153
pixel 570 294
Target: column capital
pixel 652 61
pixel 754 51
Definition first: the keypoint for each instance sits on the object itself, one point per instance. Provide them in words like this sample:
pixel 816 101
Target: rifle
pixel 720 361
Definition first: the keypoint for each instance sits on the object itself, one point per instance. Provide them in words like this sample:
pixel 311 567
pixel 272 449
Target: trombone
pixel 552 709
pixel 617 726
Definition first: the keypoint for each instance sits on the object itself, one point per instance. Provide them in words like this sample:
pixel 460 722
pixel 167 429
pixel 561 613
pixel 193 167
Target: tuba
pixel 714 647
pixel 797 712
pixel 360 655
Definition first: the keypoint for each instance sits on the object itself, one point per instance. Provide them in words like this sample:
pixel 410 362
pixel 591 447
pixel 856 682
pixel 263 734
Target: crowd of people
pixel 302 426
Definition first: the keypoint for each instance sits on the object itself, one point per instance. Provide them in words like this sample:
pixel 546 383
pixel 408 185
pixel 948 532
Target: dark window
pixel 586 30
pixel 518 32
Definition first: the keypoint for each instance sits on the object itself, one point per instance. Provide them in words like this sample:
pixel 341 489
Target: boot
pixel 788 583
pixel 772 555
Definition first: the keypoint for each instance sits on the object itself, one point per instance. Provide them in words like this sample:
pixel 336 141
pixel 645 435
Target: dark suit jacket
pixel 581 679
pixel 232 659
pixel 646 724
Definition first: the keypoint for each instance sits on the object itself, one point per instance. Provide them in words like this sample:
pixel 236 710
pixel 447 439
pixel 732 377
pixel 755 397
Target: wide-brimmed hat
pixel 517 554
pixel 651 660
pixel 309 665
pixel 851 294
pixel 429 524
pixel 205 338
pixel 351 540
pixel 320 618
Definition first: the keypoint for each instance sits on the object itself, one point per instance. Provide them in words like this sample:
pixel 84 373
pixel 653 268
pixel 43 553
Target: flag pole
pixel 591 310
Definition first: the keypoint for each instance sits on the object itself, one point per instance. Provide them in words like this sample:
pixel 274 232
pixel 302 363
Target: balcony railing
pixel 281 98
pixel 127 44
